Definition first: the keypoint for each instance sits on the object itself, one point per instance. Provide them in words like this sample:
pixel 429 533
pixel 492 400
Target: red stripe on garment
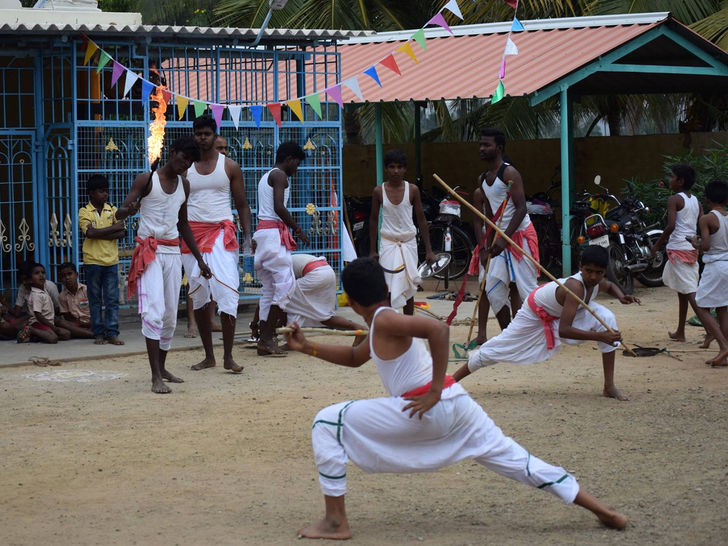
pixel 424 389
pixel 310 266
pixel 546 319
pixel 286 237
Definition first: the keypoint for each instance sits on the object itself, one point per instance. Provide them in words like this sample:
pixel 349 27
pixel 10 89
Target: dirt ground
pixel 227 459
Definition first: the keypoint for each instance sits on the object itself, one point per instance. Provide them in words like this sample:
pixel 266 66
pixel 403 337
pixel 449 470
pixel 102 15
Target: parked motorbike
pixel 358 210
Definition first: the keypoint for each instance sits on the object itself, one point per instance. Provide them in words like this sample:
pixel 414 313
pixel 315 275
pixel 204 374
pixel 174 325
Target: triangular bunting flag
pixel 217 111
pixel 511 48
pixel 130 80
pixel 314 101
pixel 419 37
pixel 147 88
pixel 440 21
pixel 235 110
pixel 182 103
pixel 246 145
pixel 166 94
pixel 335 93
pixel 275 110
pixel 452 6
pixel 517 26
pixel 512 3
pixel 200 107
pixel 116 73
pixel 503 69
pixel 90 50
pixel 499 93
pixel 390 63
pixel 103 59
pixel 353 84
pixel 406 48
pixel 372 73
pixel 257 112
pixel 295 106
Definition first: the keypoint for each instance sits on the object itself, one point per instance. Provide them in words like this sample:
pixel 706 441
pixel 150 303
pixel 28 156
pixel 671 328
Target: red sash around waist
pixel 286 237
pixel 144 254
pixel 424 389
pixel 310 266
pixel 546 319
pixel 206 234
pixel 685 256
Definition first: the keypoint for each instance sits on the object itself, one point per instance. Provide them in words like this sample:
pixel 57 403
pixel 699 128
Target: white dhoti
pixel 378 437
pixel 223 287
pixel 502 271
pixel 396 255
pixel 274 269
pixel 524 340
pixel 682 277
pixel 158 290
pixel 713 286
pixel 313 297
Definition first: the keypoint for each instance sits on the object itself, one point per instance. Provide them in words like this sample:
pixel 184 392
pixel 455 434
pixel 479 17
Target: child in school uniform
pixel 41 324
pixel 75 316
pixel 397 254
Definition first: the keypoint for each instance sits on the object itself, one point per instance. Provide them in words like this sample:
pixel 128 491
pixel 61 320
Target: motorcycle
pixel 621 229
pixel 358 210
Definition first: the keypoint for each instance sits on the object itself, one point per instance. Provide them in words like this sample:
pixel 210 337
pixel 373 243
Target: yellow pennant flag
pixel 295 106
pixel 406 48
pixel 181 105
pixel 90 50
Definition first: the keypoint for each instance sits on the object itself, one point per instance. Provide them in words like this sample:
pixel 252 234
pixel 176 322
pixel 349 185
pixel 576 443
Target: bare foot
pixel 613 520
pixel 614 392
pixel 707 341
pixel 720 360
pixel 114 340
pixel 190 333
pixel 99 340
pixel 231 365
pixel 216 327
pixel 269 349
pixel 171 378
pixel 676 336
pixel 159 387
pixel 324 528
pixel 203 365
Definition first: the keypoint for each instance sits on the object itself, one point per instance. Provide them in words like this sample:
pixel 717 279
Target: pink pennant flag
pixel 503 69
pixel 440 21
pixel 335 93
pixel 390 63
pixel 217 111
pixel 116 73
pixel 512 3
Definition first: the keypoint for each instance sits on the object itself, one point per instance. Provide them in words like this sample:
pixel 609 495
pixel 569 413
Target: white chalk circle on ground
pixel 77 376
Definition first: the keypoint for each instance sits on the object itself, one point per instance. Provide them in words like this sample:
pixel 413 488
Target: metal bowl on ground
pixel 428 270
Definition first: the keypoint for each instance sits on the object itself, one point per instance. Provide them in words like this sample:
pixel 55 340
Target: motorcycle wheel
pixel 461 250
pixel 652 276
pixel 616 272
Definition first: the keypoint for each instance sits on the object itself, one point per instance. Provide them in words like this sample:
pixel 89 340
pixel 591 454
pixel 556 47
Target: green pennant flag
pixel 103 59
pixel 314 102
pixel 500 91
pixel 200 107
pixel 419 37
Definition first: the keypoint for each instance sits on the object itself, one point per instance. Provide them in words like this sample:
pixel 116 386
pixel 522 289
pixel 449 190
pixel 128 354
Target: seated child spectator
pixel 21 300
pixel 10 325
pixel 41 324
pixel 75 315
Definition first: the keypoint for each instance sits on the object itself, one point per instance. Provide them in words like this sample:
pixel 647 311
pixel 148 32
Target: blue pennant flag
pixel 372 73
pixel 147 87
pixel 257 112
pixel 517 26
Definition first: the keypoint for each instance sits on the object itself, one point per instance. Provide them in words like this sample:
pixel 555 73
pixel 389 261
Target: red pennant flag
pixel 275 110
pixel 390 63
pixel 512 3
pixel 166 93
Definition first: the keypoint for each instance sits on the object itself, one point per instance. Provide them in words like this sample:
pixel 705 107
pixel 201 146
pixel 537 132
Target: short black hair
pixel 498 135
pixel 595 255
pixel 289 149
pixel 685 173
pixel 364 283
pixel 97 182
pixel 67 265
pixel 188 146
pixel 395 156
pixel 716 191
pixel 205 120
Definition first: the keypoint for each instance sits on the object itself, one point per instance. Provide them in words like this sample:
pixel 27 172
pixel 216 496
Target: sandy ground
pixel 226 459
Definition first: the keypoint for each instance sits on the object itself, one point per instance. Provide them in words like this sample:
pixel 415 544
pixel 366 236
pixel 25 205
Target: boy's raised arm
pixel 351 357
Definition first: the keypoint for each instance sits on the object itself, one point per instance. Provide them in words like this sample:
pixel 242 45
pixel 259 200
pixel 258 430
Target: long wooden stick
pixel 534 262
pixel 327 331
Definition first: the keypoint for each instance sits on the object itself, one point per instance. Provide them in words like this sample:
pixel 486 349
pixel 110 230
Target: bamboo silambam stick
pixel 534 262
pixel 326 331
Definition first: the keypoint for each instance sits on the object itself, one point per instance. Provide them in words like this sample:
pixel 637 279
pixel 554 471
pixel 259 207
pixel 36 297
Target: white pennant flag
pixel 452 5
pixel 511 48
pixel 235 111
pixel 130 80
pixel 353 84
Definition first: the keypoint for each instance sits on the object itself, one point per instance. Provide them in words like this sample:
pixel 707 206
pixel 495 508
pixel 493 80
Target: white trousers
pixel 224 265
pixel 313 298
pixel 378 437
pixel 393 255
pixel 158 290
pixel 502 271
pixel 274 269
pixel 713 286
pixel 524 341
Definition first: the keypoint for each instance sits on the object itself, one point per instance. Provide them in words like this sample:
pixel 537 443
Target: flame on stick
pixel 156 128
